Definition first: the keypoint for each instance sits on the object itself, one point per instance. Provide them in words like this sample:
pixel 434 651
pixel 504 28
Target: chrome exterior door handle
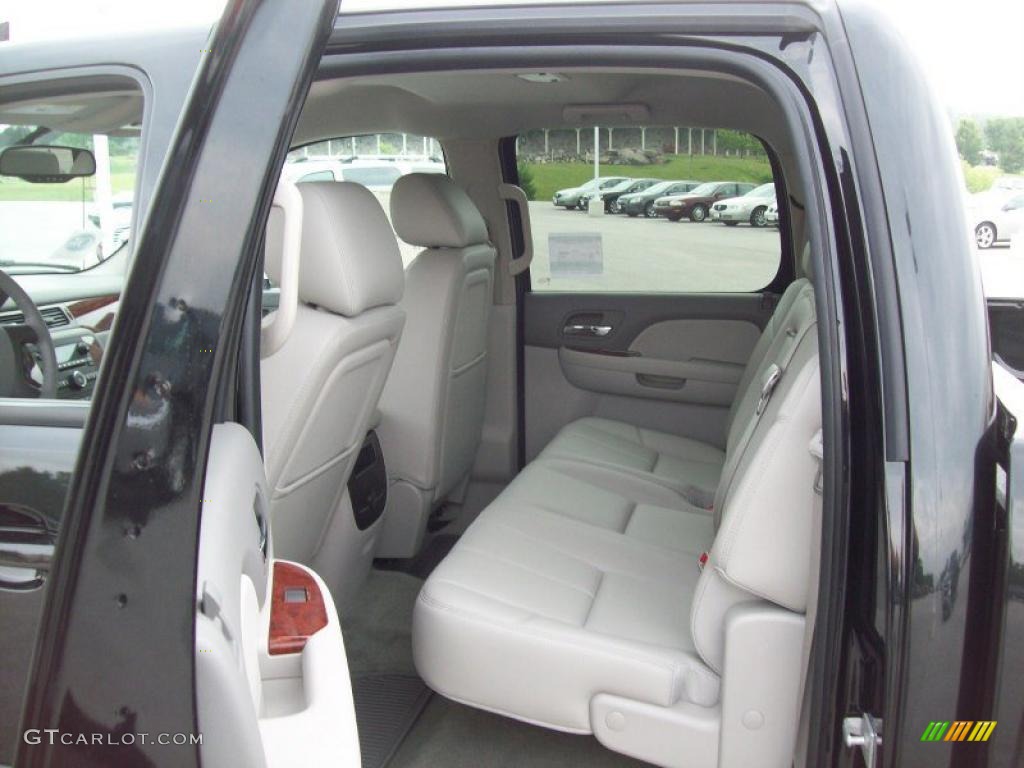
pixel 26 549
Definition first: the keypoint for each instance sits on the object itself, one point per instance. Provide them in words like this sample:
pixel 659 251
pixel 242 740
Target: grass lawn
pixel 122 179
pixel 550 177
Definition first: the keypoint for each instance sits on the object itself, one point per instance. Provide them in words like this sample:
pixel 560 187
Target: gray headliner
pixel 494 103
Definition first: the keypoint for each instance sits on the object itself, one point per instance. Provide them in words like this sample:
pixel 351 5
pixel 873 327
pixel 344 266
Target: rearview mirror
pixel 47 165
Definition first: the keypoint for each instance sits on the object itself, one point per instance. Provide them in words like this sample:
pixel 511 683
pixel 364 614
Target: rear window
pixel 666 210
pixel 379 176
pixel 376 161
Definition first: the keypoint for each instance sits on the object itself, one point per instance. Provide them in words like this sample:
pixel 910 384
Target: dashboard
pixel 79 326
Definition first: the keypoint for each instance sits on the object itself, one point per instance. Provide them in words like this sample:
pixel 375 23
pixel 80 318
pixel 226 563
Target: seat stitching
pixel 590 610
pixel 535 572
pixel 572 556
pixel 499 600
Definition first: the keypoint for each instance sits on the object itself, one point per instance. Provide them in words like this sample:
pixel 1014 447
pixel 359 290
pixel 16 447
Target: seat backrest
pixel 320 389
pixel 747 395
pixel 762 548
pixel 433 405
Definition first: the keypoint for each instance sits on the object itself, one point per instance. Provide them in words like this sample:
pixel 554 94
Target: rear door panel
pixel 663 361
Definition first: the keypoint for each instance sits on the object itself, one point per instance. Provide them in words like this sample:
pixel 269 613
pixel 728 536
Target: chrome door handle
pixel 26 549
pixel 587 330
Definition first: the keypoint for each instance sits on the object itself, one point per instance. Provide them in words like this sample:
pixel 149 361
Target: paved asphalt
pixel 656 254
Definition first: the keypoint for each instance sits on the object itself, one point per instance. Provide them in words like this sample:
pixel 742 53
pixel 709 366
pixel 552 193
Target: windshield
pixel 704 189
pixel 661 186
pixel 69 226
pixel 765 190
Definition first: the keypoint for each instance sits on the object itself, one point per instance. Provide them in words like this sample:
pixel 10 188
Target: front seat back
pixel 433 406
pixel 320 389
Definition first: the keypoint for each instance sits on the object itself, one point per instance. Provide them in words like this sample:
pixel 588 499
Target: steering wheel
pixel 13 381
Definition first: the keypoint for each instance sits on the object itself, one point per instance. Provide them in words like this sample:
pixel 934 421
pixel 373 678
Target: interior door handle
pixel 583 329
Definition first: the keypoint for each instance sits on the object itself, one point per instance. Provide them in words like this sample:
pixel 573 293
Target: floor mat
pixel 378 625
pixel 451 735
pixel 425 562
pixel 386 707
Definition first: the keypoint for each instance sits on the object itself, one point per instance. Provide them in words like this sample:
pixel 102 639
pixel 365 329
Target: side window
pixel 376 161
pixel 69 158
pixel 317 176
pixel 705 223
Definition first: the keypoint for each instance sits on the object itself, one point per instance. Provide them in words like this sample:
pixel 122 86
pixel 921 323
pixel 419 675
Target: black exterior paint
pixel 117 634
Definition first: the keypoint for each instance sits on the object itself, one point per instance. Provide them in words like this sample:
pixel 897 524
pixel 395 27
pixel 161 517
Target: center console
pixel 78 364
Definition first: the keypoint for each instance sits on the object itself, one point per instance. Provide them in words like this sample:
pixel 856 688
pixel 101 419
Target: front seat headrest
pixel 432 211
pixel 350 260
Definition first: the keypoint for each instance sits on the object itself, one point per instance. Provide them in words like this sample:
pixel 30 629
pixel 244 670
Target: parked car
pixel 579 197
pixel 696 203
pixel 997 221
pixel 611 195
pixel 764 511
pixel 373 174
pixel 751 207
pixel 772 215
pixel 639 203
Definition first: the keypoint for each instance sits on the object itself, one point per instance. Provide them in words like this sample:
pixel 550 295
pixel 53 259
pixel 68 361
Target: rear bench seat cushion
pixel 535 612
pixel 687 465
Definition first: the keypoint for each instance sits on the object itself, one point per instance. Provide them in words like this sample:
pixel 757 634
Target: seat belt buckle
pixel 702 561
pixel 770 380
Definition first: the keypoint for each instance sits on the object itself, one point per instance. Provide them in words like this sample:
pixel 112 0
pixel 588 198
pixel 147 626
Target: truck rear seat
pixel 690 466
pixel 577 600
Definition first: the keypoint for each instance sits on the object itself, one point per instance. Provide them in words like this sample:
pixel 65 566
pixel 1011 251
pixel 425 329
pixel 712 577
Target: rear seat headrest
pixel 432 211
pixel 350 260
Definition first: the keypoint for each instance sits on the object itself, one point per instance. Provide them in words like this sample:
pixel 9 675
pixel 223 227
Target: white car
pixel 372 174
pixel 998 222
pixel 751 207
pixel 772 215
pixel 579 197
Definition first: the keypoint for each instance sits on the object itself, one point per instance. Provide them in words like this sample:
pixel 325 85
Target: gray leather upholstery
pixel 432 408
pixel 350 258
pixel 691 467
pixel 577 593
pixel 321 388
pixel 431 211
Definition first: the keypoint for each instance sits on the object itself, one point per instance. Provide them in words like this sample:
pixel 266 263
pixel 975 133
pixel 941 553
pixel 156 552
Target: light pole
pixel 597 152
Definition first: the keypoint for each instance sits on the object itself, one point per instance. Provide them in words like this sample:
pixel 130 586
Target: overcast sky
pixel 973 52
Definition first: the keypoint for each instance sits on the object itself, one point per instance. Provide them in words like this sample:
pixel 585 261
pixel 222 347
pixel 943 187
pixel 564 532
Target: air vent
pixel 54 317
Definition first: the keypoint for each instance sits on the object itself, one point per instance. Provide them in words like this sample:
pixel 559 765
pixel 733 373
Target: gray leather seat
pixel 321 387
pixel 432 408
pixel 691 467
pixel 578 599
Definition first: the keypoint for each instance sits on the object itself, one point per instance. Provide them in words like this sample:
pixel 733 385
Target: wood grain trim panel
pixel 85 306
pixel 88 312
pixel 291 624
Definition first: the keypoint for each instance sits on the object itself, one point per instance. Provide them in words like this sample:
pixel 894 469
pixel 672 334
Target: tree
pixel 1006 138
pixel 526 181
pixel 968 141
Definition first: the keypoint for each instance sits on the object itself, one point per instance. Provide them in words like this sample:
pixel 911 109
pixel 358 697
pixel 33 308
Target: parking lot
pixel 656 254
